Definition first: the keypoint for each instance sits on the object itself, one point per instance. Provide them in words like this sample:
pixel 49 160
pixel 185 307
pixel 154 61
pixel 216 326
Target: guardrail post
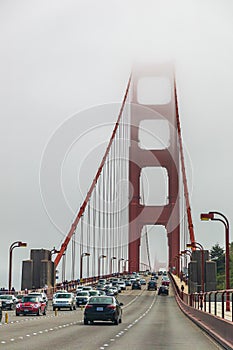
pixel 215 303
pixel 223 293
pixel 205 301
pixel 210 302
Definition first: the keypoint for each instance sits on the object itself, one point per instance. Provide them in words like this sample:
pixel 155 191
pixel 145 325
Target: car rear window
pixel 30 299
pixel 103 300
pixel 82 294
pixel 63 296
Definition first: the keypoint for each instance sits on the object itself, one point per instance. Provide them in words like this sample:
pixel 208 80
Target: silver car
pixel 64 300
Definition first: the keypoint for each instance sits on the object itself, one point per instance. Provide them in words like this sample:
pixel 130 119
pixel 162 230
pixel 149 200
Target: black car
pixel 136 285
pixel 152 285
pixel 164 290
pixel 103 308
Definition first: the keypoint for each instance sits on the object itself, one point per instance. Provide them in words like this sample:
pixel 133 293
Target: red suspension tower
pixel 140 214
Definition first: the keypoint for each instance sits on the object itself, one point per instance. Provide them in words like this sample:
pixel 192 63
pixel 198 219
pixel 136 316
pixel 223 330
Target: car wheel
pixel 44 313
pixel 38 312
pixel 74 307
pixel 85 321
pixel 16 314
pixel 71 308
pixel 120 320
pixel 116 322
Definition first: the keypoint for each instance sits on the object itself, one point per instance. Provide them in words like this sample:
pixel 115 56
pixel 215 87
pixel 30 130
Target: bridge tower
pixel 165 110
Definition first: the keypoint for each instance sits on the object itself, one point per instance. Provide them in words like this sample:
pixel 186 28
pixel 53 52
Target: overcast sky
pixel 60 58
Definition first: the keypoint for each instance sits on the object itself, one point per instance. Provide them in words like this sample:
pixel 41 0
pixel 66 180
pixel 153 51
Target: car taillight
pixel 113 307
pixel 88 306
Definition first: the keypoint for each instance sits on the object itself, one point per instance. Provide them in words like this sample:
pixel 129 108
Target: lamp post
pixel 13 246
pixel 81 263
pixel 224 220
pixel 102 256
pixel 198 245
pixel 111 262
pixel 119 264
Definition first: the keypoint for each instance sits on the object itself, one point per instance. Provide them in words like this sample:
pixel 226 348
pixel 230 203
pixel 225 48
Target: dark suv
pixel 136 285
pixel 152 285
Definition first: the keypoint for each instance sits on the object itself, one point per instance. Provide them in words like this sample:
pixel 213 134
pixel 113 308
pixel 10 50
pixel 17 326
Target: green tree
pixel 217 254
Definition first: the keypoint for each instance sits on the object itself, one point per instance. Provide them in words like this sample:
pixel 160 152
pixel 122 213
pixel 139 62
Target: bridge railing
pixel 207 310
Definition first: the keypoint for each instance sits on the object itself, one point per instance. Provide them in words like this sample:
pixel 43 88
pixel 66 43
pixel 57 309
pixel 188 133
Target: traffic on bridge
pixel 101 214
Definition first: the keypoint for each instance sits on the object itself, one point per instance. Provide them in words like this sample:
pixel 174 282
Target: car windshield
pixel 63 296
pixel 100 300
pixel 6 297
pixel 30 299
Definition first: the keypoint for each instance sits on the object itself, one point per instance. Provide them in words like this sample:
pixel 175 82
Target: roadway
pixel 149 322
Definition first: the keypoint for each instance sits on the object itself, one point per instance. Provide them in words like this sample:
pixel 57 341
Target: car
pixel 64 300
pixel 128 283
pixel 31 304
pixel 79 288
pixel 93 293
pixel 163 290
pixel 152 285
pixel 165 281
pixel 110 292
pixel 122 285
pixel 115 290
pixel 142 281
pixel 136 285
pixel 102 292
pixel 9 301
pixel 42 295
pixel 82 297
pixel 102 281
pixel 87 288
pixel 103 308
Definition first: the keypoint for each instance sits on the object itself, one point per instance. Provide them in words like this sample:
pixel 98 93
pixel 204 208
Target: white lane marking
pixel 112 339
pixel 3 342
pixel 12 339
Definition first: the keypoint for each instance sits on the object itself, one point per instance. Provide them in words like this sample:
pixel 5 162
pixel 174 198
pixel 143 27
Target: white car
pixel 122 285
pixel 64 300
pixel 8 301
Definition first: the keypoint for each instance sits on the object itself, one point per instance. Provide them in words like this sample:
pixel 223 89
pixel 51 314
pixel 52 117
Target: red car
pixel 165 281
pixel 31 305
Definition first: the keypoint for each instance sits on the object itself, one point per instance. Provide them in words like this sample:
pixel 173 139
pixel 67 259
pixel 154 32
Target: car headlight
pixel 18 306
pixel 36 306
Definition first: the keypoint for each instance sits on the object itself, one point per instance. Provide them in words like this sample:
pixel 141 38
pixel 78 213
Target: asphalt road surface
pixel 149 322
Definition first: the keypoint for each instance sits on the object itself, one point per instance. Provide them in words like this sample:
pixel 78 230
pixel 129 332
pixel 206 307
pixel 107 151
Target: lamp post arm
pixel 222 215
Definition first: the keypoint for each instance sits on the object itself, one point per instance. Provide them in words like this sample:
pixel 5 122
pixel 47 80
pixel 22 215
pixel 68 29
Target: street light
pixel 102 256
pixel 13 245
pixel 111 262
pixel 198 245
pixel 119 262
pixel 211 216
pixel 81 263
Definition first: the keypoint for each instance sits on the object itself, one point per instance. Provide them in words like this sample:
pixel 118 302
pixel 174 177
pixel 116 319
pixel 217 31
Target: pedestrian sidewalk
pixel 179 283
